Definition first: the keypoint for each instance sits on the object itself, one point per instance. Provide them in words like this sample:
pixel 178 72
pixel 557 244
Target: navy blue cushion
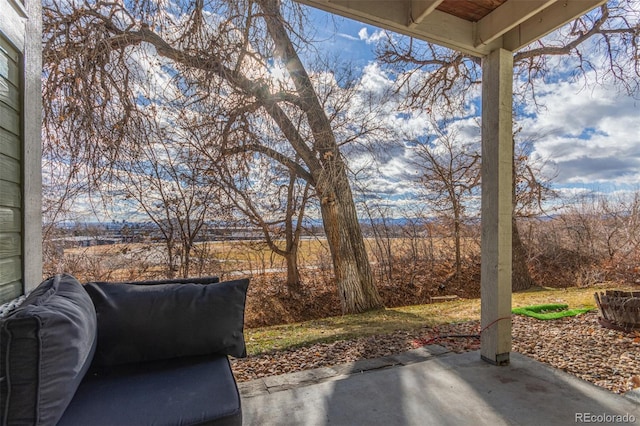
pixel 47 347
pixel 151 322
pixel 181 391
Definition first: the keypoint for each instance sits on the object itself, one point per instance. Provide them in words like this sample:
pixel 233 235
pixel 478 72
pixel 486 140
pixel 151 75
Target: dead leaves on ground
pixel 577 345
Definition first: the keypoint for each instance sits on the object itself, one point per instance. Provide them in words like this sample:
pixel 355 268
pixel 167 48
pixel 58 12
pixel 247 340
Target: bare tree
pixel 381 230
pixel 275 203
pixel 234 64
pixel 433 75
pixel 164 179
pixel 450 174
pixel 531 188
pixel 633 224
pixel 449 171
pixel 59 190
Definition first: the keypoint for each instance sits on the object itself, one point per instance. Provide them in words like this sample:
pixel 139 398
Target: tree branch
pixel 273 154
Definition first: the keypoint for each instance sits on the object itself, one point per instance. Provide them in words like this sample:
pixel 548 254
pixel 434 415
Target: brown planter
pixel 619 310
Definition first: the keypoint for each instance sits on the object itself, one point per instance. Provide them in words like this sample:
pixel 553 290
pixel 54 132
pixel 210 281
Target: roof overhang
pixel 475 27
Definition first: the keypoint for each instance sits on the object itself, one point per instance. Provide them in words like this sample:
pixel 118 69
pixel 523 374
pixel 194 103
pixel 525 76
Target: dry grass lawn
pixel 266 339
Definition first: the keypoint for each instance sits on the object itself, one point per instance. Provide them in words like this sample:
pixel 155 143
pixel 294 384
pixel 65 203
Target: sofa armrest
pixel 46 347
pixel 139 323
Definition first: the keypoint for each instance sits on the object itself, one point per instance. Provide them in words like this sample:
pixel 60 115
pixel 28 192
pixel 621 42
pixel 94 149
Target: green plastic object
pixel 550 311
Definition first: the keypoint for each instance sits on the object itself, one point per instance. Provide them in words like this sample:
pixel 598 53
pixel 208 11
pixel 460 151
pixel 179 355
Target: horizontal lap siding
pixel 10 174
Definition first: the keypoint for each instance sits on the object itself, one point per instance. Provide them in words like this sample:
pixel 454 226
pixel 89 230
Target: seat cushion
pixel 184 391
pixel 151 322
pixel 46 348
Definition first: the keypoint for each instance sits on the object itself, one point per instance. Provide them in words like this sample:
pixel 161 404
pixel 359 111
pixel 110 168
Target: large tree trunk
pixel 292 234
pixel 354 278
pixel 293 273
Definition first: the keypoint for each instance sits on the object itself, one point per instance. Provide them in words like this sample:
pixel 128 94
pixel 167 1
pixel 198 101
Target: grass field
pixel 269 302
pixel 265 339
pixel 235 256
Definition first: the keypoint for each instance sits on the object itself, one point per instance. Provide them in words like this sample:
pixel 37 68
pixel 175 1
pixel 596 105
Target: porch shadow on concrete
pixel 430 386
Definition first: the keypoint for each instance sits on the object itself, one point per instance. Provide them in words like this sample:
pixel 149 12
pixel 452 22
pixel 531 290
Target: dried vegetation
pixel 577 345
pixel 411 266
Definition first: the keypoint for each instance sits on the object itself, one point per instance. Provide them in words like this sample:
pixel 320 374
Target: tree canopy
pixel 229 72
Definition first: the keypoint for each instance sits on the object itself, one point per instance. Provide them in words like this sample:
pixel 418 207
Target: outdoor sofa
pixel 137 353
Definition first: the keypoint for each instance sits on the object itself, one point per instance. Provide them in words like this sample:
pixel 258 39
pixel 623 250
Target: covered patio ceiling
pixel 475 27
pixel 491 30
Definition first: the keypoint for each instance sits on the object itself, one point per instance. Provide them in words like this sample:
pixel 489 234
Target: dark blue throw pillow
pixel 139 323
pixel 47 345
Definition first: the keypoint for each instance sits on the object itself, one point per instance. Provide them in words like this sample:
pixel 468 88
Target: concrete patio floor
pixel 430 386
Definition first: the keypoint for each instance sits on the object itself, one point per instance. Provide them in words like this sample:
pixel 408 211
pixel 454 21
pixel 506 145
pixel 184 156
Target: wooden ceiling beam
pixel 434 25
pixel 512 25
pixel 509 15
pixel 452 32
pixel 380 11
pixel 547 20
pixel 420 9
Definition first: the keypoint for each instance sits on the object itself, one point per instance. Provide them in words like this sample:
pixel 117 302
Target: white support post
pixel 497 170
pixel 32 149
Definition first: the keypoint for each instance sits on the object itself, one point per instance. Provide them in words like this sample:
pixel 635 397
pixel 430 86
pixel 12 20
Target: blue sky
pixel 588 133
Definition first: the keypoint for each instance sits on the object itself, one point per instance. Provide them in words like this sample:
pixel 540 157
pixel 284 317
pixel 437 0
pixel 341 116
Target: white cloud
pixel 591 136
pixel 374 79
pixel 363 33
pixel 373 38
pixel 350 37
